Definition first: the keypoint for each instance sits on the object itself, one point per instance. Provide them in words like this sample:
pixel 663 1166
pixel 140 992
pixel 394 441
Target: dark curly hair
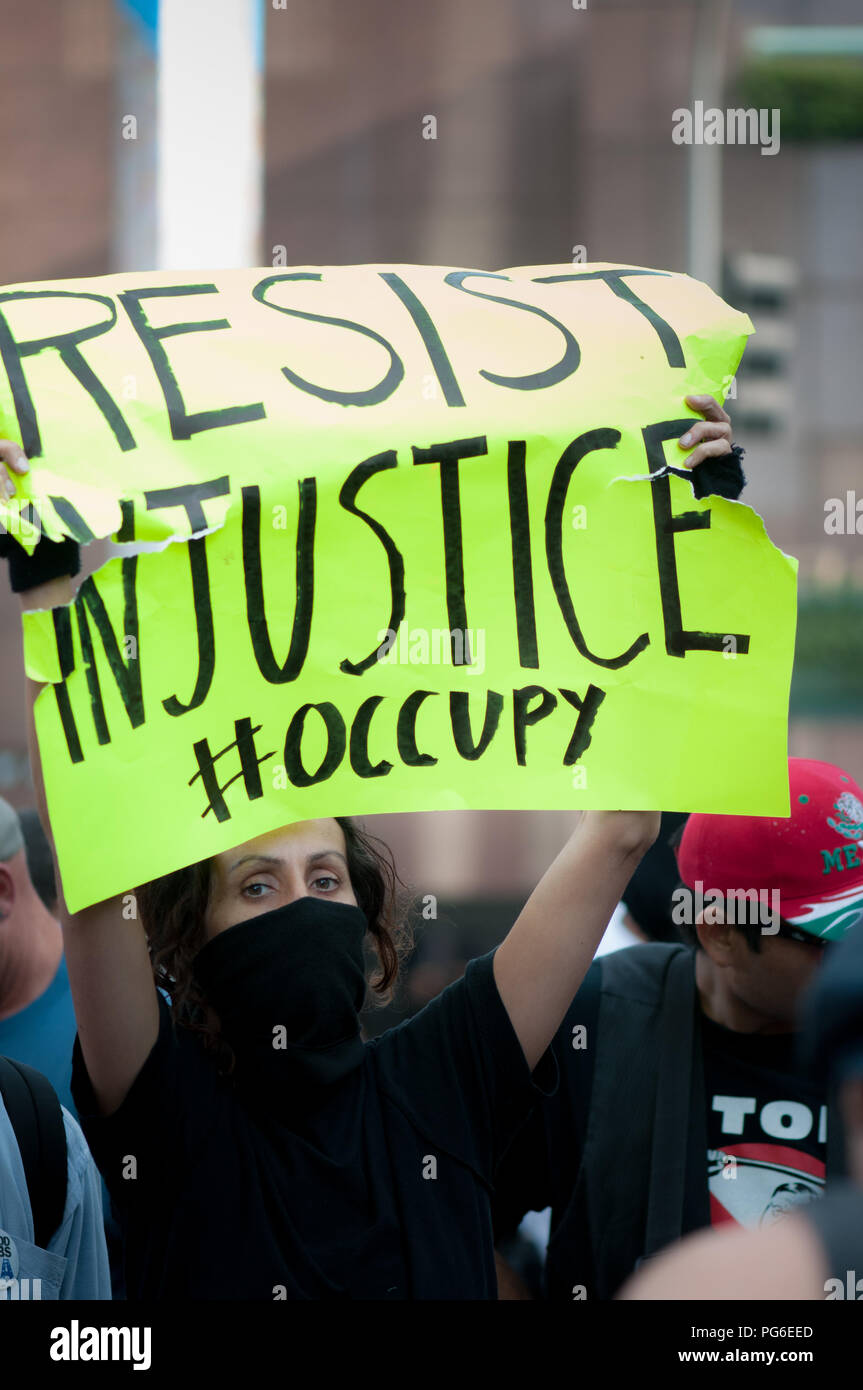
pixel 172 910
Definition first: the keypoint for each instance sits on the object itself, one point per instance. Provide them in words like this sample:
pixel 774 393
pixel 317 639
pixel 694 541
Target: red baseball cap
pixel 814 858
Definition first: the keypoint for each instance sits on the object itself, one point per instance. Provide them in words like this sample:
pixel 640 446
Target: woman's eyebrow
pixel 274 859
pixel 255 859
pixel 326 854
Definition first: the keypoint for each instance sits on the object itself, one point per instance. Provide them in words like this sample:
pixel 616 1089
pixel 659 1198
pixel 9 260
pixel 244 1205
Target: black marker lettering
pixel 305 584
pixel 459 714
pixel 127 674
pixel 615 281
pixel 66 344
pixel 347 499
pixel 563 471
pixel 406 737
pixel 522 570
pixel 678 641
pixel 537 381
pixel 336 743
pixel 66 658
pixel 78 527
pixel 448 456
pixel 375 394
pixel 100 723
pixel 359 747
pixel 523 715
pixel 183 425
pixel 587 708
pixel 126 532
pixel 250 772
pixel 203 607
pixel 430 336
pixel 191 496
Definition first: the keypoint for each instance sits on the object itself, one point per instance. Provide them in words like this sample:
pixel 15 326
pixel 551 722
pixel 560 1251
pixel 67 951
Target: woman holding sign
pixel 255 1145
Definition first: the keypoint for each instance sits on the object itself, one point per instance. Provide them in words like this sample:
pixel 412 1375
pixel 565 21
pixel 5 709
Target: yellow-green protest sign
pixel 436 556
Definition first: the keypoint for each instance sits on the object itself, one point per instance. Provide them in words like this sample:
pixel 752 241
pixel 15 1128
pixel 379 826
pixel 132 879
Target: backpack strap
pixel 680 1065
pixel 37 1120
pixel 639 1116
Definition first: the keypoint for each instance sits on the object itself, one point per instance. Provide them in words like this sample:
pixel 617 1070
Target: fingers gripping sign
pixel 711 437
pixel 15 526
pixel 13 462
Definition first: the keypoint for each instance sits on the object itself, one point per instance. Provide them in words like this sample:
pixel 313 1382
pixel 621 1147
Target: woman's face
pixel 306 860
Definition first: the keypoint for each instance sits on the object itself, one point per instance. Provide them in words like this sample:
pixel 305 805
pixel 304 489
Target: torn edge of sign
pixel 643 477
pixel 714 498
pixel 686 475
pixel 106 515
pixel 122 549
pixel 41 655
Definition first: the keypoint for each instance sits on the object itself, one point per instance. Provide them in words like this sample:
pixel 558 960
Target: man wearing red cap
pixel 681 1104
pixel 818 1252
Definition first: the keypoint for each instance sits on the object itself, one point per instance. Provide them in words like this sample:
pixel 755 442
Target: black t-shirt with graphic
pixel 766 1128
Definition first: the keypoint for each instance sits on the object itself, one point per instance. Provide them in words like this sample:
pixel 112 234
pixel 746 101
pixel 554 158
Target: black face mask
pixel 288 987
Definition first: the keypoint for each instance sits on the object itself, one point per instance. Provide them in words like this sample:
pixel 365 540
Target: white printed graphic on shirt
pixel 756 1184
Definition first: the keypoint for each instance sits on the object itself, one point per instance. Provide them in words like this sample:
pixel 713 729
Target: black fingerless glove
pixel 716 477
pixel 50 560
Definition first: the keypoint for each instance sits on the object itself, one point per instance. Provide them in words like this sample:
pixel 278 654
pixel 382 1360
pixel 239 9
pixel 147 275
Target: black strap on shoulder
pixel 677 1059
pixel 37 1119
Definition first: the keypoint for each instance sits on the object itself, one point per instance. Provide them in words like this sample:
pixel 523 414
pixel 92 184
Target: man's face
pixel 774 979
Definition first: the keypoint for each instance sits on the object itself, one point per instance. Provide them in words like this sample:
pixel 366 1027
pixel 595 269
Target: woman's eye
pixel 251 887
pixel 325 879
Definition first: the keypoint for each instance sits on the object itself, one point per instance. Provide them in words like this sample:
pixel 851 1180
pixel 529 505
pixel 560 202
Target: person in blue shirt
pixel 75 1262
pixel 37 1018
